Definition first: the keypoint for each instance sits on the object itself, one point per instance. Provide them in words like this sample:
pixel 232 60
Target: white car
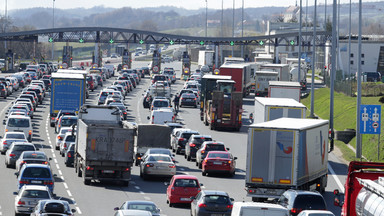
pixel 67 141
pixel 9 138
pixel 28 196
pixel 61 135
pixel 316 213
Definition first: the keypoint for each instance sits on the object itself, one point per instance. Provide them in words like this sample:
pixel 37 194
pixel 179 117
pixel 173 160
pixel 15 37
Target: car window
pixel 36 172
pixel 309 202
pixel 283 201
pixel 18 122
pixel 218 155
pixel 35 155
pixel 186 183
pixel 70 139
pixel 216 199
pixel 23 148
pixel 145 207
pixel 160 103
pixel 159 158
pixel 215 147
pixel 160 151
pixel 36 194
pixel 15 136
pixel 68 122
pixel 186 135
pixel 200 140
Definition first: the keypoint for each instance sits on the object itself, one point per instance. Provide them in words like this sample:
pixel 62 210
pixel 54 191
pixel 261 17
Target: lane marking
pixel 55 160
pixel 60 173
pixel 65 185
pixel 338 182
pixel 138 110
pixel 78 210
pixel 147 198
pixel 57 166
pixel 69 193
pixel 141 192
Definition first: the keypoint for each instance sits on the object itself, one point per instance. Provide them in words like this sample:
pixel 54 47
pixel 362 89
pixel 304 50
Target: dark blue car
pixel 35 174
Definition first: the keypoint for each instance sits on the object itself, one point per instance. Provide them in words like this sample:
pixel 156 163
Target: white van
pixel 162 116
pixel 258 209
pixel 17 123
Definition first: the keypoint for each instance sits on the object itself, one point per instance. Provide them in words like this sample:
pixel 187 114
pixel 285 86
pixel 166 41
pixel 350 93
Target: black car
pixel 122 108
pixel 297 200
pixel 194 144
pixel 69 155
pixel 99 80
pixel 3 91
pixel 146 70
pixel 210 202
pixel 188 99
pixel 133 81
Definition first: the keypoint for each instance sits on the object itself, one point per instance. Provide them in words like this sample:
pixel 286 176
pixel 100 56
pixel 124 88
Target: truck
pixel 126 60
pixel 186 66
pixel 286 153
pixel 220 105
pixel 151 136
pixel 241 73
pixel 68 92
pixel 262 79
pixel 206 58
pixel 162 116
pixel 104 145
pixel 267 109
pixel 282 69
pixel 280 89
pixel 156 62
pixel 364 190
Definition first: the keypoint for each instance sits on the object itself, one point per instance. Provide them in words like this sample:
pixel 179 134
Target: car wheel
pixel 170 204
pixel 185 156
pixel 57 148
pixel 197 164
pixel 188 158
pixel 203 173
pixel 87 181
pixel 233 173
pixel 200 165
pixel 67 164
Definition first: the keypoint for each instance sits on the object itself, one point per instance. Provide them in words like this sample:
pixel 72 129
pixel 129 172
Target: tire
pixel 67 164
pixel 87 181
pixel 170 204
pixel 233 174
pixel 7 165
pixel 200 165
pixel 185 156
pixel 188 158
pixel 196 163
pixel 79 172
pixel 203 173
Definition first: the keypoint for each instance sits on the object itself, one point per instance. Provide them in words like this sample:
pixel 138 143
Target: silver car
pixel 32 157
pixel 28 196
pixel 9 138
pixel 14 152
pixel 61 135
pixel 157 165
pixel 67 141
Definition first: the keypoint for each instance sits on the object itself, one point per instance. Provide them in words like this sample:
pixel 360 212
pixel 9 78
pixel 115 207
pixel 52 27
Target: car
pixel 158 151
pixel 66 121
pixel 316 213
pixel 20 78
pixel 110 100
pixel 52 207
pixel 38 90
pixel 103 96
pixel 171 73
pixel 14 152
pixel 14 82
pixel 157 165
pixel 182 91
pixel 140 205
pixel 69 155
pixel 258 208
pixel 3 91
pixel 9 138
pixel 194 144
pixel 60 136
pixel 99 80
pixel 36 174
pixel 30 97
pixel 160 103
pixel 146 70
pixel 28 196
pixel 123 109
pixel 92 82
pixel 219 162
pixel 298 200
pixel 180 138
pixel 181 188
pixel 210 202
pixel 188 99
pixel 20 107
pixel 174 125
pixel 68 139
pixel 31 157
pixel 158 78
pixel 28 104
pixel 206 147
pixel 19 123
pixel 59 114
pixel 125 84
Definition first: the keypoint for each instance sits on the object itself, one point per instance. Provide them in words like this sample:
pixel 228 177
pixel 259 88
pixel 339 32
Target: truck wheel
pixel 87 181
pixel 52 124
pixel 212 126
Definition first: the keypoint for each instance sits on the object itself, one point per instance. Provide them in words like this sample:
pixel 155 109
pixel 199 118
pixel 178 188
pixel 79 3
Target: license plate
pixel 189 100
pixel 272 192
pixel 217 163
pixel 159 167
pixel 108 171
pixel 185 199
pixel 32 203
pixel 35 182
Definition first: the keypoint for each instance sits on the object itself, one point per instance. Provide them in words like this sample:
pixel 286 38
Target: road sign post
pixel 370 119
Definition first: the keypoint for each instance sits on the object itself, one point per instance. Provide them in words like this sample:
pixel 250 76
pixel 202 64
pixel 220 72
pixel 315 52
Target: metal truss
pixel 119 35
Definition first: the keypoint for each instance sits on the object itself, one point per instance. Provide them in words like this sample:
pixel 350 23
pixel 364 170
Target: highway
pixel 101 198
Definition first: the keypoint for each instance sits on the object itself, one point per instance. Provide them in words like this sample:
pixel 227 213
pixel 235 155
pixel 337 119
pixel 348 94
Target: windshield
pixel 145 207
pixel 216 199
pixel 15 136
pixel 159 158
pixel 23 148
pixel 68 122
pixel 200 140
pixel 70 139
pixel 186 183
pixel 18 122
pixel 160 103
pixel 34 155
pixel 36 172
pixel 218 155
pixel 36 194
pixel 215 147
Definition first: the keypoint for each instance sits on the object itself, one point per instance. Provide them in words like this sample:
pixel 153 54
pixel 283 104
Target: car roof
pixel 214 192
pixel 303 192
pixel 185 177
pixel 199 135
pixel 37 166
pixel 218 152
pixel 140 201
pixel 12 132
pixel 190 131
pixel 19 117
pixel 35 187
pixel 23 143
pixel 213 142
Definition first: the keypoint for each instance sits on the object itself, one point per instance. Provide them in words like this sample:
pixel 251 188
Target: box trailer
pixel 280 89
pixel 262 79
pixel 286 153
pixel 282 69
pixel 241 73
pixel 267 109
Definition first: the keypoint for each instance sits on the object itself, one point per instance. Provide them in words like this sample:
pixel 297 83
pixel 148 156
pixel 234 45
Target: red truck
pixel 241 73
pixel 364 190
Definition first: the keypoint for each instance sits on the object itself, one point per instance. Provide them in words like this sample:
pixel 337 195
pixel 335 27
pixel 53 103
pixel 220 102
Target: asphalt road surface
pixel 101 198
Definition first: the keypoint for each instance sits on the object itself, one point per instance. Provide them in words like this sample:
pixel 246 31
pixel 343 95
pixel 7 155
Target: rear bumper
pixel 180 199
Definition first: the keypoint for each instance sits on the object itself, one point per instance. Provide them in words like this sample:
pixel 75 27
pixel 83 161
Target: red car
pixel 219 162
pixel 91 83
pixel 181 188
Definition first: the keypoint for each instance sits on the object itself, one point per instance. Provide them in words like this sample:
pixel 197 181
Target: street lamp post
pixel 300 25
pixel 53 26
pixel 6 22
pixel 233 24
pixel 242 27
pixel 313 63
pixel 206 18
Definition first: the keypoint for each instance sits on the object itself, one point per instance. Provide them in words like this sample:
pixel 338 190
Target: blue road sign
pixel 370 119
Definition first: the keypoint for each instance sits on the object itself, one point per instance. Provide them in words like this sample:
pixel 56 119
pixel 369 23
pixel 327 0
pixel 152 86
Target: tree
pixel 328 26
pixel 279 18
pixel 148 25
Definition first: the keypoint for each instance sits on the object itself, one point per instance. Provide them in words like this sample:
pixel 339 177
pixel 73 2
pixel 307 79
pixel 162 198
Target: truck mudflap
pixel 265 192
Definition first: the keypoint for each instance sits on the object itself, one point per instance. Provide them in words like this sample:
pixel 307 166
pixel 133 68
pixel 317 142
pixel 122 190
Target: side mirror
pixel 192 197
pixel 4 122
pixel 15 193
pixel 231 199
pixel 148 117
pixel 50 159
pixel 227 149
pixel 73 210
pixel 201 184
pixel 235 158
pixel 54 175
pixel 16 174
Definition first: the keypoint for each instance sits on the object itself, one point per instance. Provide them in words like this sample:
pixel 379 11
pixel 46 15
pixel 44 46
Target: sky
pixel 188 4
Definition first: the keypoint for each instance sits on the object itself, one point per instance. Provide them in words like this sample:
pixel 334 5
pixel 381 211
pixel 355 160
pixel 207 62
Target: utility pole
pixel 333 72
pixel 53 26
pixel 300 25
pixel 206 18
pixel 313 63
pixel 242 27
pixel 359 150
pixel 233 25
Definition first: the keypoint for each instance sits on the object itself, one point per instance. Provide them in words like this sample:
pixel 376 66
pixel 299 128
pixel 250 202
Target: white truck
pixel 206 57
pixel 280 89
pixel 161 116
pixel 286 153
pixel 267 109
pixel 262 79
pixel 104 145
pixel 282 69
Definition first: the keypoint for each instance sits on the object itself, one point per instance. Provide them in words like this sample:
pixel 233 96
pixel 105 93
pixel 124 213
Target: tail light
pixel 65 145
pixel 202 152
pixel 202 205
pixel 48 182
pixel 229 206
pixel 90 168
pixel 172 166
pixel 69 154
pixel 126 169
pixel 21 202
pixel 192 144
pixel 149 165
pixel 12 155
pixel 181 139
pixel 125 113
pixel 296 210
pixel 59 137
pixel 153 120
pixel 23 182
pixel 5 143
pixel 45 162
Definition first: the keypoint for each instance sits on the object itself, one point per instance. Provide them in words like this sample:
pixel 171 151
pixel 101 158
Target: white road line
pixel 138 111
pixel 141 192
pixel 53 155
pixel 78 210
pixel 57 166
pixel 52 150
pixel 341 187
pixel 60 173
pixel 69 193
pixel 147 198
pixel 62 178
pixel 137 187
pixel 55 160
pixel 65 185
